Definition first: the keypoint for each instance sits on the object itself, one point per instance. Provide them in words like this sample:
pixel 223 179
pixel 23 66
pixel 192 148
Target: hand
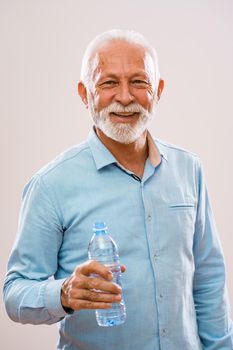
pixel 78 291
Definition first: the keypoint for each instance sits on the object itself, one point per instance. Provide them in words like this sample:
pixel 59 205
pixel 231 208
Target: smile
pixel 124 114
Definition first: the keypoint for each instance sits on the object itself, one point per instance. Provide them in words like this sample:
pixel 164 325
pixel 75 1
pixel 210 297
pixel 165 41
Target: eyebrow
pixel 114 76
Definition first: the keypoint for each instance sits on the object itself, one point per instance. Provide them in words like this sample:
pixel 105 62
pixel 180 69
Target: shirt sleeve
pixel 209 288
pixel 31 294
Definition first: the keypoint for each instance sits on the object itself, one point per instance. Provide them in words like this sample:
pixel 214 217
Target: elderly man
pixel 153 197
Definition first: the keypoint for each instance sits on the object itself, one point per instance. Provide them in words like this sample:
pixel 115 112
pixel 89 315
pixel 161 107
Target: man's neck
pixel 132 156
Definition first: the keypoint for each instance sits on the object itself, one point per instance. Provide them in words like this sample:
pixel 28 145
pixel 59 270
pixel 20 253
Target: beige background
pixel 42 43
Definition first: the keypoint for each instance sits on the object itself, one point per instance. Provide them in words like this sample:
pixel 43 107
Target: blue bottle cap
pixel 99 226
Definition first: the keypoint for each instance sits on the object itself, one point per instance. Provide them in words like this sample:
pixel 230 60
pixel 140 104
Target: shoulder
pixel 179 161
pixel 173 151
pixel 65 167
pixel 65 160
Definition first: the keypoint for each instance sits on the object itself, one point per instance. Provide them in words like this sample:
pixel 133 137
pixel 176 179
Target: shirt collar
pixel 156 150
pixel 154 154
pixel 103 157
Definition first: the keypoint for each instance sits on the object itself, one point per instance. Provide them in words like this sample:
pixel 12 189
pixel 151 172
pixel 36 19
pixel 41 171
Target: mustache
pixel 116 107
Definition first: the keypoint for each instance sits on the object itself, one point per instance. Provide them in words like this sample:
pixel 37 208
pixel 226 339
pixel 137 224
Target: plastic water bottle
pixel 103 249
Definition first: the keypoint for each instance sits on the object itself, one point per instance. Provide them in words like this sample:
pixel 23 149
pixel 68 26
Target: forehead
pixel 120 55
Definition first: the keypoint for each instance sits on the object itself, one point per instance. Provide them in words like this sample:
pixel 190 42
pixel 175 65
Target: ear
pixel 160 89
pixel 82 91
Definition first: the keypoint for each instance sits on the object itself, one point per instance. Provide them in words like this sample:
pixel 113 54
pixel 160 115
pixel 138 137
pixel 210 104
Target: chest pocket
pixel 177 226
pixel 180 217
pixel 181 206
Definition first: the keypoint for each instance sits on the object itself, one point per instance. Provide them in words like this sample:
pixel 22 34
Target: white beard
pixel 121 132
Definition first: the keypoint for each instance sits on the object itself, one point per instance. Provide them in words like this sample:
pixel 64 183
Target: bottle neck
pixel 101 232
pixel 100 228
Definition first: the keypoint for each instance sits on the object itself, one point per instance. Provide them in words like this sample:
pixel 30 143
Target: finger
pixel 85 294
pixel 94 267
pixel 86 304
pixel 100 284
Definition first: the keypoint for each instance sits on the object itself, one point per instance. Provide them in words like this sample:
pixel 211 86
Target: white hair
pixel 130 36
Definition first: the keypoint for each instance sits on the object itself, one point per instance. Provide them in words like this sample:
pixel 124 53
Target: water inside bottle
pixel 117 314
pixel 111 317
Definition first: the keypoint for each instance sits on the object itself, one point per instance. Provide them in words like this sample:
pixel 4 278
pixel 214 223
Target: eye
pixel 108 83
pixel 140 83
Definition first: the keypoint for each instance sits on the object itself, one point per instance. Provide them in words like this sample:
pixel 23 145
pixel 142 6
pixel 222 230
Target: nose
pixel 124 95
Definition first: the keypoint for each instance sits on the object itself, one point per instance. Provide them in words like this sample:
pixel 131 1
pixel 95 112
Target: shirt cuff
pixel 52 298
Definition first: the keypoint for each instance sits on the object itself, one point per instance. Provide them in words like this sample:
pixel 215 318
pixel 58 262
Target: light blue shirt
pixel 174 286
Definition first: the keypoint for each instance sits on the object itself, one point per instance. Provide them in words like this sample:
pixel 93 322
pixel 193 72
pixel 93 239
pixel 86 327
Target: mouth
pixel 123 116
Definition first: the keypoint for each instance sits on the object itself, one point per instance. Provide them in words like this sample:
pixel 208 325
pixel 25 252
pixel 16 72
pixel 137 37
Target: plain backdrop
pixel 42 43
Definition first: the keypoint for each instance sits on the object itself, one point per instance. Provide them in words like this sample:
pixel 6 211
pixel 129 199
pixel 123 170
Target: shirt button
pixel 149 217
pixel 156 255
pixel 160 297
pixel 163 332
